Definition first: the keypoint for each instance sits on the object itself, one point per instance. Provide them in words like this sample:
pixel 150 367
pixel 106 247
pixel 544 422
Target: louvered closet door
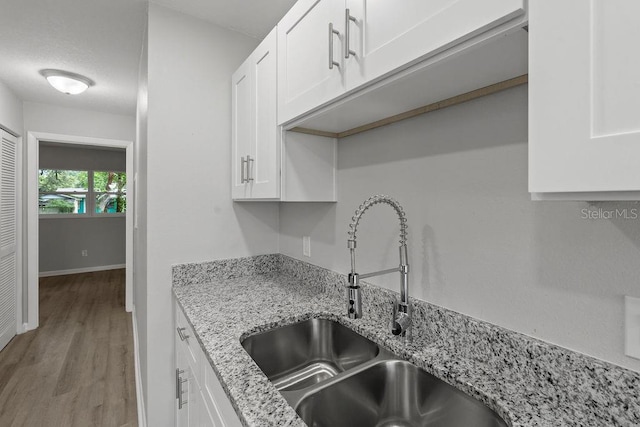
pixel 8 237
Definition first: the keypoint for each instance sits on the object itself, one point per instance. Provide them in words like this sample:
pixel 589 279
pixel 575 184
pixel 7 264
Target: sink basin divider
pixel 294 397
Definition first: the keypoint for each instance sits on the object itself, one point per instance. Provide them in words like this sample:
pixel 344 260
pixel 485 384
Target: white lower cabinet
pixel 218 405
pixel 182 381
pixel 200 399
pixel 186 391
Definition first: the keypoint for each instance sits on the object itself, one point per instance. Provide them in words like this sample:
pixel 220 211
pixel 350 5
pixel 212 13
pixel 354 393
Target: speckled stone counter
pixel 526 381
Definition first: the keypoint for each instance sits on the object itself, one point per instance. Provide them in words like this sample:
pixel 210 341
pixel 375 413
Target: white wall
pixel 478 245
pixel 81 157
pixel 77 122
pixel 190 216
pixel 140 221
pixel 10 110
pixel 62 240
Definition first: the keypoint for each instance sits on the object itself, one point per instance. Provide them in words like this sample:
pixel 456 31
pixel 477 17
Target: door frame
pixel 31 320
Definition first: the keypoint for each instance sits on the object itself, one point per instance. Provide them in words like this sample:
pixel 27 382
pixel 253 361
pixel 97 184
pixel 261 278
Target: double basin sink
pixel 333 376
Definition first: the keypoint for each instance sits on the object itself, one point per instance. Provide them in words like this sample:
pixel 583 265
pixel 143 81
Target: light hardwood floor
pixel 77 368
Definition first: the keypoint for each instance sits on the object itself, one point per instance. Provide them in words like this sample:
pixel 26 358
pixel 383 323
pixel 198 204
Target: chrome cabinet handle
pixel 178 382
pixel 178 372
pixel 347 48
pixel 249 162
pixel 179 391
pixel 331 33
pixel 181 334
pixel 245 171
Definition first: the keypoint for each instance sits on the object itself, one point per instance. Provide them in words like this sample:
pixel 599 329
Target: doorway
pixel 30 295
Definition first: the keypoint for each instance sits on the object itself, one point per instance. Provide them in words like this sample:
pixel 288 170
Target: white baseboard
pixel 142 418
pixel 24 327
pixel 81 270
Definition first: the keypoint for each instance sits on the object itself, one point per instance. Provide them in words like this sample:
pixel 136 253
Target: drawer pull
pixel 181 334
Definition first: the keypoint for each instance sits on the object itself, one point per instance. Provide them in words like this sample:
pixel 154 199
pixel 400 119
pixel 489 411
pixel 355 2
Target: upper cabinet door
pixel 255 162
pixel 307 75
pixel 584 96
pixel 385 34
pixel 264 172
pixel 242 129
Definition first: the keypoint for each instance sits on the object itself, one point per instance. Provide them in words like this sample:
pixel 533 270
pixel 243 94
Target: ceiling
pixel 251 17
pixel 102 40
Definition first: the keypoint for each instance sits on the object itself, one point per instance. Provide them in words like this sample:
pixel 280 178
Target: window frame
pixel 90 198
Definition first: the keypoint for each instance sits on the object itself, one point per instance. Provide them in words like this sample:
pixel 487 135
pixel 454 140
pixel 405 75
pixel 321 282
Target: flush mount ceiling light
pixel 66 82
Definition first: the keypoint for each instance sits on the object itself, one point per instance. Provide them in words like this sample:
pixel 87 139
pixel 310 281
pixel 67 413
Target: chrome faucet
pixel 401 322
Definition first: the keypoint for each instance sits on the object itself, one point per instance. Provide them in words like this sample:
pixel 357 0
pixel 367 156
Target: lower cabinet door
pixel 200 399
pixel 184 386
pixel 209 416
pixel 216 399
pixel 203 417
pixel 191 408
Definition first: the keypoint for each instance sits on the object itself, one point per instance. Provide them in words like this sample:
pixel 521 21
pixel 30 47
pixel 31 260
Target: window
pixel 109 191
pixel 82 193
pixel 63 192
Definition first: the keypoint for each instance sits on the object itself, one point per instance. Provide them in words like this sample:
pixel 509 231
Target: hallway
pixel 77 368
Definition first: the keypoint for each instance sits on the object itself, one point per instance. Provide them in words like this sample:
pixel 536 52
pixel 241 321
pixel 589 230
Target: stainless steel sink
pixel 297 356
pixel 334 377
pixel 393 393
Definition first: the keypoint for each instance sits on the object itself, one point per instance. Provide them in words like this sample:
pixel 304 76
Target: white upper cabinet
pixel 385 35
pixel 255 134
pixel 331 48
pixel 584 99
pixel 310 57
pixel 267 163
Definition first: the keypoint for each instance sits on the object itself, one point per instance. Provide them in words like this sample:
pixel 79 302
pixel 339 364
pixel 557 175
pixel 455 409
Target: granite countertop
pixel 526 381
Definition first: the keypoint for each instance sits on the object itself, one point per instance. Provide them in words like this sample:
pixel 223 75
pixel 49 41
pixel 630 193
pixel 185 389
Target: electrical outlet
pixel 85 252
pixel 306 246
pixel 632 327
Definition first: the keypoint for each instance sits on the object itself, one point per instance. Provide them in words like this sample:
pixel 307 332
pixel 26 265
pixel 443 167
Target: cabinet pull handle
pixel 331 33
pixel 249 162
pixel 179 391
pixel 181 334
pixel 178 382
pixel 181 402
pixel 242 177
pixel 347 48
